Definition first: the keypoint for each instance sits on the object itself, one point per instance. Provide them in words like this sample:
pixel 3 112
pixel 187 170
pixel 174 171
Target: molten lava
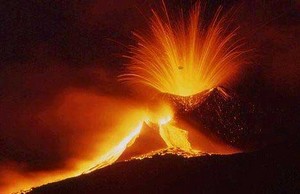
pixel 111 156
pixel 160 119
pixel 175 137
pixel 181 58
pixel 184 57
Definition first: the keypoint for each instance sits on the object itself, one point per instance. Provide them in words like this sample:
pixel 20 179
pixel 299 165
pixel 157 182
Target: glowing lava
pixel 184 57
pixel 161 117
pixel 111 156
pixel 180 56
pixel 175 137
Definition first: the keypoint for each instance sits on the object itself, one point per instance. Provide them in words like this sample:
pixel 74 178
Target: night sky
pixel 58 58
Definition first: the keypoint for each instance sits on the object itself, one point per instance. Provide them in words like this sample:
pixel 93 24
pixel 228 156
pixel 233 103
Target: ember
pixel 183 58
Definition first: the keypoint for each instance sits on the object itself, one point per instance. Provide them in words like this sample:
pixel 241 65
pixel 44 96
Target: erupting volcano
pixel 147 96
pixel 182 58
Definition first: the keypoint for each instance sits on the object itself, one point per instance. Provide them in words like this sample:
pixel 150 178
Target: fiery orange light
pixel 104 132
pixel 162 117
pixel 184 58
pixel 113 155
pixel 159 114
pixel 181 58
pixel 175 137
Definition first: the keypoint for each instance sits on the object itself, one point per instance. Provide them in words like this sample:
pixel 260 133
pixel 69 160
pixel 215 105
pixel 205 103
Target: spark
pixel 182 57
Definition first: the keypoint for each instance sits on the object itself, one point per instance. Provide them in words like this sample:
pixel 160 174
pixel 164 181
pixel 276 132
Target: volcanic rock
pixel 274 169
pixel 219 113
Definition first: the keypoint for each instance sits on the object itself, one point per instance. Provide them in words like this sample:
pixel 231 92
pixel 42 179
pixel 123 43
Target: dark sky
pixel 50 50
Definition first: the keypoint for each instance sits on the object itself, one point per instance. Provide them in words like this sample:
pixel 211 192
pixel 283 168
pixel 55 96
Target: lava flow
pixel 111 156
pixel 176 139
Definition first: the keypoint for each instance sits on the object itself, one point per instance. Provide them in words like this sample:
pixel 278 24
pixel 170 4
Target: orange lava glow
pixel 111 156
pixel 183 57
pixel 89 116
pixel 173 137
pixel 107 133
pixel 97 130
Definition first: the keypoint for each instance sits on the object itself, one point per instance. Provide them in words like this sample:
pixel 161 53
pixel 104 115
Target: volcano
pixel 203 126
pixel 209 113
pixel 218 113
pixel 149 97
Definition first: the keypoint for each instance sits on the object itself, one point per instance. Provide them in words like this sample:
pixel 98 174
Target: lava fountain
pixel 180 56
pixel 184 56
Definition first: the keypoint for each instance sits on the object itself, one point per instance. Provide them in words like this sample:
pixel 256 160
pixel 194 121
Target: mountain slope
pixel 220 114
pixel 273 170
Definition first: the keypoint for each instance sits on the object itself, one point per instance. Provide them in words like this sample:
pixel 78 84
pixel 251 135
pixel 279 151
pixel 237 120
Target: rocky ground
pixel 274 169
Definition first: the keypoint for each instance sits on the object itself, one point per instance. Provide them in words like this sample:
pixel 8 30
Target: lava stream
pixel 113 155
